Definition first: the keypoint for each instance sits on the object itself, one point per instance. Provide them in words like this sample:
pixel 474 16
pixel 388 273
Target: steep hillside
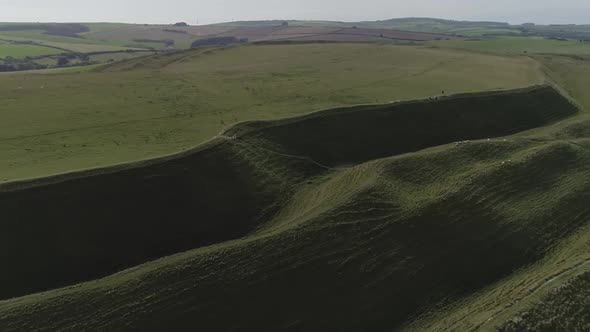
pixel 341 137
pixel 83 226
pixel 376 245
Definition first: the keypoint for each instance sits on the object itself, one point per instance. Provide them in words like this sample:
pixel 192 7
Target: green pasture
pixel 176 101
pixel 519 45
pixel 24 50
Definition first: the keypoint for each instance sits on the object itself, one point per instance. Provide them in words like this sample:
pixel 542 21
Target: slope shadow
pixel 64 230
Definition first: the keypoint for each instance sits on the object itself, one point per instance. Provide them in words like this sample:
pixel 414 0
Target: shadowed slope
pixel 345 136
pixel 401 237
pixel 379 243
pixel 93 225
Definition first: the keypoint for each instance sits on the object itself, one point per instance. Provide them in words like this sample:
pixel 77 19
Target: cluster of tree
pixel 24 42
pixel 28 63
pixel 181 24
pixel 218 41
pixel 12 64
pixel 21 66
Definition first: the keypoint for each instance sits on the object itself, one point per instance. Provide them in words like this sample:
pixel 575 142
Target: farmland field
pixel 20 50
pixel 501 38
pixel 107 57
pixel 521 45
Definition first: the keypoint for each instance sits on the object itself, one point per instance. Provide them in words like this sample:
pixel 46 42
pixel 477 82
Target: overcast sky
pixel 211 11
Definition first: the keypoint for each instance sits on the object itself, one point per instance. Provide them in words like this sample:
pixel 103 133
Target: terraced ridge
pixel 358 134
pixel 321 246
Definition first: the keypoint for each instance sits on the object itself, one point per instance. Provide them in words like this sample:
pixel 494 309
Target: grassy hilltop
pixel 175 101
pixel 299 186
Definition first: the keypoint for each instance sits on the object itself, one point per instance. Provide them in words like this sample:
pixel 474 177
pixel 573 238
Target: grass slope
pixel 341 137
pixel 216 194
pixel 340 251
pixel 566 308
pixel 20 50
pixel 173 188
pixel 163 104
pixel 520 45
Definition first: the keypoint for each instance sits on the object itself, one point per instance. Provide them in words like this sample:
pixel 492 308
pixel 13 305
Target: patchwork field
pixel 81 40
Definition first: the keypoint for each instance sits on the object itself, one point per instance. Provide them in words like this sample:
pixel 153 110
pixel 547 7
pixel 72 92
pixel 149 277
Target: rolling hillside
pixel 29 46
pixel 164 104
pixel 415 24
pixel 411 226
pixel 291 185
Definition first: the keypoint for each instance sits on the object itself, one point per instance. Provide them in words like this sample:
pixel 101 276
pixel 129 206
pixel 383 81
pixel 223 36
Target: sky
pixel 213 11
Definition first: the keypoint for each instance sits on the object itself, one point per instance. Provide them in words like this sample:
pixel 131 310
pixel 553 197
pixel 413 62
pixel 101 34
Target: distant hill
pixel 72 44
pixel 44 45
pixel 416 24
pixel 423 20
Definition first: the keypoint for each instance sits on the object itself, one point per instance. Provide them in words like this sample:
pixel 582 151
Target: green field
pixel 20 50
pixel 316 213
pixel 572 74
pixel 39 36
pixel 76 45
pixel 300 187
pixel 68 44
pixel 177 101
pixel 521 45
pixel 109 57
